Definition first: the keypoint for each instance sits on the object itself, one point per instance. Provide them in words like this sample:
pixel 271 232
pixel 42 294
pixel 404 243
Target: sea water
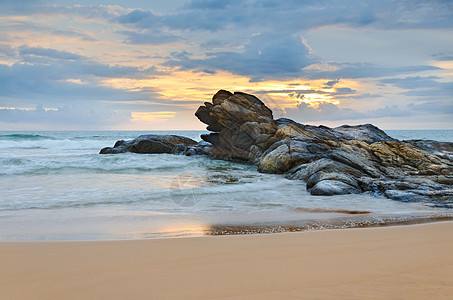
pixel 55 186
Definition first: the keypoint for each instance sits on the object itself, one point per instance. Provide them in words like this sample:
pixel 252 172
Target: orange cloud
pixel 152 116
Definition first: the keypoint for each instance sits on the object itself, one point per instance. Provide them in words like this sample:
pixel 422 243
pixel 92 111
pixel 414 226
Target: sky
pixel 148 65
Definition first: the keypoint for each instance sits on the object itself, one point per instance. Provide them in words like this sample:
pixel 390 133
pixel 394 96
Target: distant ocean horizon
pixel 55 186
pixel 441 135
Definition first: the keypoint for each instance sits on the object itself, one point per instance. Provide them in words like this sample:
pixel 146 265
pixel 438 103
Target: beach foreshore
pixel 399 262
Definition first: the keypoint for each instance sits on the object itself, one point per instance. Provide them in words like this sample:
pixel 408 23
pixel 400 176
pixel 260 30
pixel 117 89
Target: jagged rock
pixel 367 133
pixel 442 149
pixel 341 160
pixel 331 161
pixel 236 121
pixel 404 196
pixel 150 143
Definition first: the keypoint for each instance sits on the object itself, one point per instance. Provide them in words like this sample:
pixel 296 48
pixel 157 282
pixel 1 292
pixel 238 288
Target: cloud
pixel 54 8
pixel 361 96
pixel 49 53
pixel 443 90
pixel 137 16
pixel 270 56
pixel 442 56
pixel 293 16
pixel 416 82
pixel 260 40
pixel 422 86
pixel 9 7
pixel 13 26
pixel 300 93
pixel 213 4
pixel 392 111
pixel 53 75
pixel 432 107
pixel 152 37
pixel 69 116
pixel 305 112
pixel 265 56
pixel 221 44
pixel 359 70
pixel 331 83
pixel 324 111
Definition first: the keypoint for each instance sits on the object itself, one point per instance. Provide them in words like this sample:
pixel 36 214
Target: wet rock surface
pixel 152 143
pixel 331 161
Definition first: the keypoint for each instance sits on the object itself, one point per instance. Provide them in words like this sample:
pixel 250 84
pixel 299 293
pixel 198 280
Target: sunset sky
pixel 148 65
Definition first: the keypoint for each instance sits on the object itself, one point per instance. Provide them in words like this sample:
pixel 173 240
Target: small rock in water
pixel 151 143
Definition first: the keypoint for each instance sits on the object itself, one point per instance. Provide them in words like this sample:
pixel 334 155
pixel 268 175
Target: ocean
pixel 55 186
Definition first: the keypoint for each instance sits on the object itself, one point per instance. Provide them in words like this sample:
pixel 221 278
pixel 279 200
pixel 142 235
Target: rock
pixel 367 133
pixel 151 143
pixel 236 121
pixel 442 149
pixel 333 187
pixel 404 196
pixel 202 148
pixel 276 161
pixel 220 96
pixel 331 161
pixel 118 143
pixel 179 149
pixel 341 160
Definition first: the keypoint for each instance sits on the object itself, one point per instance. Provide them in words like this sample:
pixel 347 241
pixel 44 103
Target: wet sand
pixel 400 262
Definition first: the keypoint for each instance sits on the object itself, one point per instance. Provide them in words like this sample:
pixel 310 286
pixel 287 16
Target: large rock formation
pixel 346 159
pixel 331 161
pixel 238 121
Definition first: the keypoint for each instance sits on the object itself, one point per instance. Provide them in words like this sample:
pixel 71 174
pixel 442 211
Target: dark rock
pixel 238 119
pixel 151 146
pixel 150 143
pixel 331 161
pixel 333 187
pixel 202 113
pixel 179 149
pixel 404 196
pixel 220 96
pixel 106 150
pixel 442 149
pixel 118 143
pixel 367 133
pixel 342 160
pixel 202 148
pixel 212 138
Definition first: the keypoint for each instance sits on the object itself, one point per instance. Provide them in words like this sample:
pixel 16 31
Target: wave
pixel 328 210
pixel 56 144
pixel 92 163
pixel 157 196
pixel 18 136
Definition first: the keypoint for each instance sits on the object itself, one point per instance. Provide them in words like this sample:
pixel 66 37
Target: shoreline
pixel 393 262
pixel 353 220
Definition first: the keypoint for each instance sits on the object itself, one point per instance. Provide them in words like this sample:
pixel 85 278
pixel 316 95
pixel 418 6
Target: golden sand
pixel 401 262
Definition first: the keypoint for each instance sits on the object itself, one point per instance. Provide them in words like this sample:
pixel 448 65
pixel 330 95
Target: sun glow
pixel 152 116
pixel 189 89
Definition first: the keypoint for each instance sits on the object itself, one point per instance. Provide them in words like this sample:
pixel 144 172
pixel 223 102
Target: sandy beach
pixel 401 262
